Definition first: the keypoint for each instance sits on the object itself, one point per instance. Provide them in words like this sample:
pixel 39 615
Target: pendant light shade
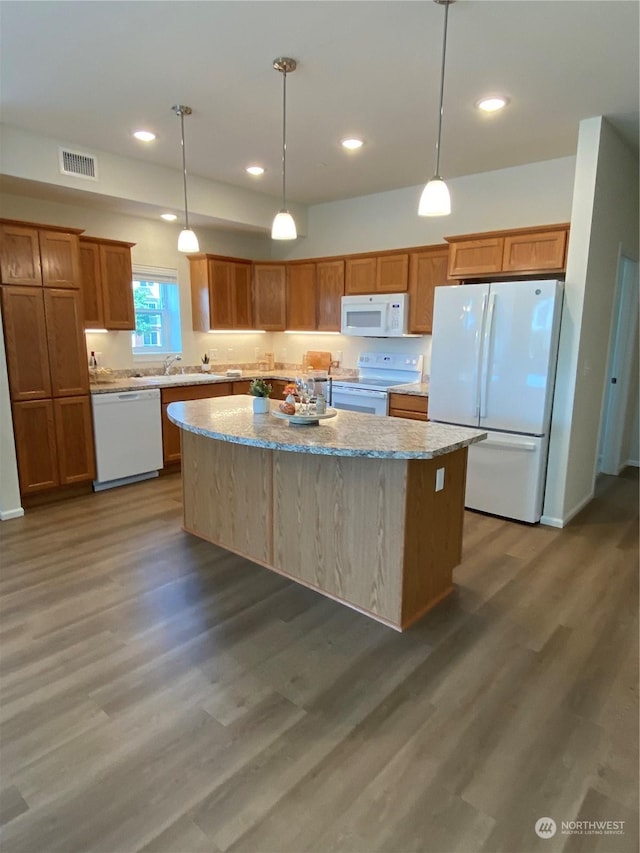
pixel 284 227
pixel 187 241
pixel 435 199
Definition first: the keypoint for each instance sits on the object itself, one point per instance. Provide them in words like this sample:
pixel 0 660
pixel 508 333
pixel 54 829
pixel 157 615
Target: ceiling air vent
pixel 78 165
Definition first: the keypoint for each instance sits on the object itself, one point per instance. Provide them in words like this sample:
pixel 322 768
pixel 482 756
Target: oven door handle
pixel 337 389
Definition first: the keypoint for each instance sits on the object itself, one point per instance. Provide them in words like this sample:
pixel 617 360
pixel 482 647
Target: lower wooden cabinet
pixel 170 432
pixel 409 406
pixel 241 387
pixel 54 443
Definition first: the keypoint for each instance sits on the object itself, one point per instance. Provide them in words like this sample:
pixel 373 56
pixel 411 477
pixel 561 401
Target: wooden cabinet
pixel 54 443
pixel 220 293
pixel 301 296
pixel 60 258
pixel 106 277
pixel 392 273
pixel 35 436
pixel 65 343
pixel 330 290
pixel 540 252
pixel 241 386
pixel 427 270
pixel 36 256
pixel 530 251
pixel 20 255
pixel 278 386
pixel 270 297
pixel 409 406
pixel 25 336
pixel 170 432
pixel 360 275
pixel 74 440
pixel 381 273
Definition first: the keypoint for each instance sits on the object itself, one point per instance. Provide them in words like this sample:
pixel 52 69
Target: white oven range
pixel 377 373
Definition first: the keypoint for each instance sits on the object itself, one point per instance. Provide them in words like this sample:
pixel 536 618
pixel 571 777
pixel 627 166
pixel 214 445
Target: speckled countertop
pixel 139 383
pixel 348 434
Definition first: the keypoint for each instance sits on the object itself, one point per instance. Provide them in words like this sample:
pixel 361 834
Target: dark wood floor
pixel 160 694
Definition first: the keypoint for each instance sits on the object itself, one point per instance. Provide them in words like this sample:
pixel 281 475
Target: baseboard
pixel 634 463
pixel 6 515
pixel 552 521
pixel 122 481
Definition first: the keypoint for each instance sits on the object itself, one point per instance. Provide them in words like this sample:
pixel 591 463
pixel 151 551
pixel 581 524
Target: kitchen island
pixel 366 510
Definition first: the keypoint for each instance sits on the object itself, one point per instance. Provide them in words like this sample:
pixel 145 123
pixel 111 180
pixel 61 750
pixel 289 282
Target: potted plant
pixel 260 391
pixel 206 367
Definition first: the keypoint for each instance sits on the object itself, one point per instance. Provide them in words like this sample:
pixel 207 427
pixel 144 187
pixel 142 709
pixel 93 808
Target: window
pixel 156 299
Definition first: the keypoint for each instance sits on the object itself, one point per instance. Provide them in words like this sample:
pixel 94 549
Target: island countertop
pixel 232 419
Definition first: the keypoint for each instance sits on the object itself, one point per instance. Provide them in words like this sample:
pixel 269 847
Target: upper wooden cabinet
pixel 220 293
pixel 30 255
pixel 269 297
pixel 106 278
pixel 533 251
pixel 25 335
pixel 301 297
pixel 330 290
pixel 427 270
pixel 380 273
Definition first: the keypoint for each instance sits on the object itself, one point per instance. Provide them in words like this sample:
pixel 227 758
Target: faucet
pixel 169 360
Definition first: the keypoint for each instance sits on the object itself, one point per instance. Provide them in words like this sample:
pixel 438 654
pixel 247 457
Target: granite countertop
pixel 348 434
pixel 139 383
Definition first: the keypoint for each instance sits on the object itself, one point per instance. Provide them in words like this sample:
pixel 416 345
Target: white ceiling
pixel 90 73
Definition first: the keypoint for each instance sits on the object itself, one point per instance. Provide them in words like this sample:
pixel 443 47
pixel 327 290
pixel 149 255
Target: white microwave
pixel 376 315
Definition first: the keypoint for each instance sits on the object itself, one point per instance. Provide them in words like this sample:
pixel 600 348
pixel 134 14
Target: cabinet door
pixel 330 290
pixel 473 258
pixel 392 273
pixel 117 289
pixel 220 295
pixel 66 343
pixel 541 252
pixel 170 432
pixel 277 388
pixel 242 301
pixel 25 335
pixel 170 438
pixel 360 275
pixel 427 270
pixel 74 439
pixel 301 297
pixel 60 256
pixel 20 256
pixel 269 292
pixel 91 286
pixel 35 436
pixel 241 387
pixel 408 406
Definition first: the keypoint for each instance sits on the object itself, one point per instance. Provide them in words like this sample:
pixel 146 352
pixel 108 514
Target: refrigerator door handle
pixel 529 446
pixel 486 349
pixel 479 340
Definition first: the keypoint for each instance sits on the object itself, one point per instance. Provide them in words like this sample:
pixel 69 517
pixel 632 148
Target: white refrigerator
pixel 493 365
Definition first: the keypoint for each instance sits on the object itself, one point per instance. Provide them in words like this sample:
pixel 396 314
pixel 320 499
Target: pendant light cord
pixel 444 54
pixel 184 170
pixel 284 137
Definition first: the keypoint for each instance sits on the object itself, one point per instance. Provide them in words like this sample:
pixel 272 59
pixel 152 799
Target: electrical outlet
pixel 439 479
pixel 213 355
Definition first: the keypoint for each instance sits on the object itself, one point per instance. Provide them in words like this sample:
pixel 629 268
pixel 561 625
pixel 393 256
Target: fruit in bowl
pixel 287 408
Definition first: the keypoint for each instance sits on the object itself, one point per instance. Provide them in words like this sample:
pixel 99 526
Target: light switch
pixel 439 479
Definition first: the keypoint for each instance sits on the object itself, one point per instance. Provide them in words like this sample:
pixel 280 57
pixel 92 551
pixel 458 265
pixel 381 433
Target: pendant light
pixel 187 241
pixel 284 228
pixel 435 199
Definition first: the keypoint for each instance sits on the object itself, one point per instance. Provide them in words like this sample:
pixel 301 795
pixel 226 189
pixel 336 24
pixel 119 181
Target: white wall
pixel 535 194
pixel 604 218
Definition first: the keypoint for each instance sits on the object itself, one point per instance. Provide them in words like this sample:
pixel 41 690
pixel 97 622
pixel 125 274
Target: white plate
pixel 301 420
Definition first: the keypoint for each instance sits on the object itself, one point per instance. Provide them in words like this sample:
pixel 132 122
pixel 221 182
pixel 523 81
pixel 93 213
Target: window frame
pixel 171 317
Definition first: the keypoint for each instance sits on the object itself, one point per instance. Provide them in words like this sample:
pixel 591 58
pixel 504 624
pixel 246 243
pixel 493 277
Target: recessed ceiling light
pixel 255 170
pixel 169 217
pixel 352 144
pixel 144 135
pixel 491 105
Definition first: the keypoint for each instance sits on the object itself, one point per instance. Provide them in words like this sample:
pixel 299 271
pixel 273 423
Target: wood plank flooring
pixel 158 694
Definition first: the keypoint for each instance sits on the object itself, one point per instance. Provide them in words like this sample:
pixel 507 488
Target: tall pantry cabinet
pixel 46 355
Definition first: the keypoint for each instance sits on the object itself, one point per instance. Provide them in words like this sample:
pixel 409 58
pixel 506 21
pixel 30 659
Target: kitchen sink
pixel 177 378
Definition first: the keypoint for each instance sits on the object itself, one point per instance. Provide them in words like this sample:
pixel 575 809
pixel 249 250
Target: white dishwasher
pixel 127 428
